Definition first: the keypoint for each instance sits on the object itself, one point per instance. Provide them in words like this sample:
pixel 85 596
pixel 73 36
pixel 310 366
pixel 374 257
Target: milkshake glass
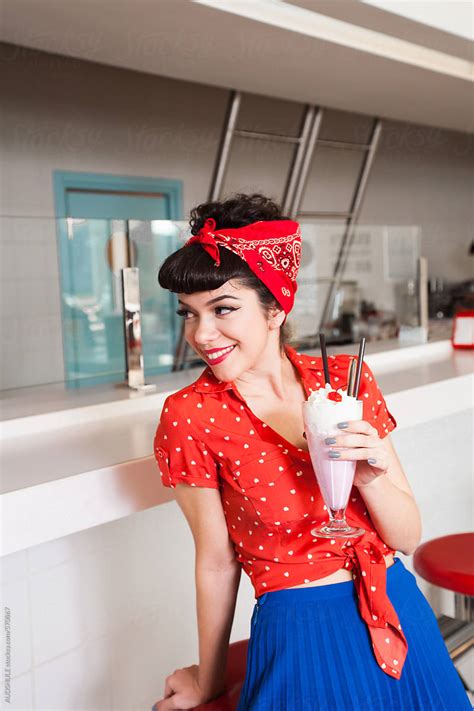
pixel 321 413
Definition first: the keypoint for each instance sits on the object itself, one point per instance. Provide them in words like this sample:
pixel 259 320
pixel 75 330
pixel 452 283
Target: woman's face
pixel 228 319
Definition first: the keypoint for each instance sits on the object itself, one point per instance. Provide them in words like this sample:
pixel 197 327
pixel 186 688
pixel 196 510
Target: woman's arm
pixel 217 574
pixel 394 513
pixel 216 595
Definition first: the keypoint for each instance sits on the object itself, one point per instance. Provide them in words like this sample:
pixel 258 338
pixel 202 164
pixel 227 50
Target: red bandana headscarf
pixel 271 248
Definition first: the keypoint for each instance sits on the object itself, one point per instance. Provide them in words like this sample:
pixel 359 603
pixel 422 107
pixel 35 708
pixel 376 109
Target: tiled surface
pixel 56 626
pixel 16 597
pixel 79 679
pixel 31 302
pixel 96 626
pixel 21 693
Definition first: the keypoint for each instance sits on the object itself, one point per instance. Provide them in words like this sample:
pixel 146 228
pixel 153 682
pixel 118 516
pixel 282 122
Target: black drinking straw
pixel 351 377
pixel 360 359
pixel 322 341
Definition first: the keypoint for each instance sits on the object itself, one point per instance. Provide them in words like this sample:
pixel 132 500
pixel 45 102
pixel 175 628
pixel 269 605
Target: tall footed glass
pixel 335 477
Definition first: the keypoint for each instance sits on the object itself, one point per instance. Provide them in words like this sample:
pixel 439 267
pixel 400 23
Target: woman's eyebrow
pixel 212 301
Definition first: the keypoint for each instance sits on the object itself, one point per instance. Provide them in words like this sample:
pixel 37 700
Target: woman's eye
pixel 226 308
pixel 183 312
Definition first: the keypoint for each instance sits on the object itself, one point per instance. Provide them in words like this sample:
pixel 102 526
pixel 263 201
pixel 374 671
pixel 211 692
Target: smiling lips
pixel 219 355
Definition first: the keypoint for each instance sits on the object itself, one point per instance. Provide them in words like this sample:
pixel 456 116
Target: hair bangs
pixel 192 269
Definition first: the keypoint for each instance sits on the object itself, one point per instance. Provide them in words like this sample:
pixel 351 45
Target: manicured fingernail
pixel 342 425
pixel 372 461
pixel 330 440
pixel 334 455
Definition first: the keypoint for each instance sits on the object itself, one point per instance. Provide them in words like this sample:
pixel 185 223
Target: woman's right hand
pixel 182 690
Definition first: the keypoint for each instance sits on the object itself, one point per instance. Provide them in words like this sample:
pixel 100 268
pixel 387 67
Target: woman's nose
pixel 205 335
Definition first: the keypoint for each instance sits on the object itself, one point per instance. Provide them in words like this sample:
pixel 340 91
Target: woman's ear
pixel 277 316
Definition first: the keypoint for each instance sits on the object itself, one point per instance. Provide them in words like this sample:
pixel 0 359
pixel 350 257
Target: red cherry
pixel 335 396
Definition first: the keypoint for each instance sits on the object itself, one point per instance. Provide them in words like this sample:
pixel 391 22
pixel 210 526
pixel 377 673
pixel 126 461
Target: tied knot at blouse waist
pixel 365 557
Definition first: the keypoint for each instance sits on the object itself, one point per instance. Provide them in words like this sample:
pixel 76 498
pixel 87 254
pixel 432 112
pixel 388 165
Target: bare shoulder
pixel 204 513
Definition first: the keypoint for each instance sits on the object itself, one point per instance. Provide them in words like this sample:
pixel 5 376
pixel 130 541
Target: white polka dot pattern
pixel 209 437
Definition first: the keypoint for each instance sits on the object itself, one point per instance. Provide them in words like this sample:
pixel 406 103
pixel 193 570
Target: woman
pixel 338 624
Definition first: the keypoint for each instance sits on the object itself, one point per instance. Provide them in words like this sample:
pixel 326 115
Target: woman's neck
pixel 277 382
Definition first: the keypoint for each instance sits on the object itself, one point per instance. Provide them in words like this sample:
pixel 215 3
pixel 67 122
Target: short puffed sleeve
pixel 181 456
pixel 375 408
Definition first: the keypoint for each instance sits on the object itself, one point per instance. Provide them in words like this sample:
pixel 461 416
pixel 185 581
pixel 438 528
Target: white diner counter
pixel 73 460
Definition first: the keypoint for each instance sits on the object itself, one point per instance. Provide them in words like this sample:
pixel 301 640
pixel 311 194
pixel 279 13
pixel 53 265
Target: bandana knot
pixel 207 238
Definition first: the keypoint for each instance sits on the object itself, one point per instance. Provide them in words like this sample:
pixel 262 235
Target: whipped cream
pixel 322 415
pixel 321 395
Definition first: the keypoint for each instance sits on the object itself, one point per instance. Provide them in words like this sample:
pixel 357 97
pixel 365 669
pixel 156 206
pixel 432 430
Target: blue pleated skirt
pixel 310 650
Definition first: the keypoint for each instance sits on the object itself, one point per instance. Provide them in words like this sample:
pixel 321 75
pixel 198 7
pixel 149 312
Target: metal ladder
pixel 305 143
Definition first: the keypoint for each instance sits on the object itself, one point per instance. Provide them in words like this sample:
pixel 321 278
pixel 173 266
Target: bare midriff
pixel 340 576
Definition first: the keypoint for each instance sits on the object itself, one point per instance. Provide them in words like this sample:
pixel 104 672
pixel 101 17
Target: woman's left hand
pixel 360 441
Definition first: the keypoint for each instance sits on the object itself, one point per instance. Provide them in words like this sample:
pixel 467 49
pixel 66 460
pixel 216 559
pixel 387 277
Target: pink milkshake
pixel 335 477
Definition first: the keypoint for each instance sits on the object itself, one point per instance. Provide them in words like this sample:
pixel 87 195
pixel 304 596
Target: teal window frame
pixel 170 189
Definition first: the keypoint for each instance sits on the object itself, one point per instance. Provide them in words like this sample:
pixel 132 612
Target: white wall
pixel 100 618
pixel 81 116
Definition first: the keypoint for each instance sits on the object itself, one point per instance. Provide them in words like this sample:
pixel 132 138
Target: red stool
pixel 448 562
pixel 235 675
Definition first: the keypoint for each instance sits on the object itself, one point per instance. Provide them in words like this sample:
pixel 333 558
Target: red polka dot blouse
pixel 209 437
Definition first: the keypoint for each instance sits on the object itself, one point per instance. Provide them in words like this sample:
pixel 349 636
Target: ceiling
pixel 396 25
pixel 346 55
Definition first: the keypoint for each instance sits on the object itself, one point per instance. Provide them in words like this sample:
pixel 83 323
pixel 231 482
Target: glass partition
pixel 93 253
pixel 373 293
pixel 62 299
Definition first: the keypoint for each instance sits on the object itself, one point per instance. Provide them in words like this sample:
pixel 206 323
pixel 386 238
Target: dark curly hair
pixel 191 269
